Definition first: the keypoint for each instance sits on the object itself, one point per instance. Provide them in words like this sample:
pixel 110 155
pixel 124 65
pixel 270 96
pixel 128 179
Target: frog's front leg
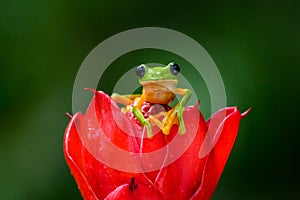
pixel 124 99
pixel 171 119
pixel 144 122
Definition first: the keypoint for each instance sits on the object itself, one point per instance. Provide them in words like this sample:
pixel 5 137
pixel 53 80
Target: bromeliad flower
pixel 150 150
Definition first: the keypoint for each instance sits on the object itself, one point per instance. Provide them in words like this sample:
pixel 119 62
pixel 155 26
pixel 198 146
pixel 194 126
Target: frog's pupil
pixel 174 68
pixel 140 71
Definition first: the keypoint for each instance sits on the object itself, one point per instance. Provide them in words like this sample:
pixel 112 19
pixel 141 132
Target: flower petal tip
pixel 245 114
pixel 91 89
pixel 69 115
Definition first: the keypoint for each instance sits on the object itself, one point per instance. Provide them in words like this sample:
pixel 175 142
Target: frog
pixel 159 86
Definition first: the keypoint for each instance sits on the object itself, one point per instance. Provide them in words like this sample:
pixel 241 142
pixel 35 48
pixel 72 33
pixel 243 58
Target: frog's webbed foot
pixel 174 116
pixel 154 120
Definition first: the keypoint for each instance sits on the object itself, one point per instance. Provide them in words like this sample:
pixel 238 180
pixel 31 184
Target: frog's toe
pixel 181 128
pixel 149 131
pixel 169 120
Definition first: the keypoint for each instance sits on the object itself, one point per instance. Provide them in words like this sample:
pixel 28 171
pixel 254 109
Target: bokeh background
pixel 255 45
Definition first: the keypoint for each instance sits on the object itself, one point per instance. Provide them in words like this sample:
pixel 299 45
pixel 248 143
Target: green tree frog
pixel 159 87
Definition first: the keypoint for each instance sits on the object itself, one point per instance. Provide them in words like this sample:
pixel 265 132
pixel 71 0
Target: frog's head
pixel 157 74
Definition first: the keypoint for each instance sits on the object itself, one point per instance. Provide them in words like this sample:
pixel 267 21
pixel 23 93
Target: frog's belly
pixel 159 97
pixel 159 92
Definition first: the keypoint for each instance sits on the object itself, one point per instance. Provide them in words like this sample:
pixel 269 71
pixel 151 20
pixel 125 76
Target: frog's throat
pixel 169 84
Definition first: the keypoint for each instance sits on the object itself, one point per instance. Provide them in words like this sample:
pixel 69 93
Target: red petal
pixel 118 127
pixel 83 153
pixel 141 191
pixel 75 160
pixel 131 137
pixel 220 139
pixel 182 178
pixel 88 147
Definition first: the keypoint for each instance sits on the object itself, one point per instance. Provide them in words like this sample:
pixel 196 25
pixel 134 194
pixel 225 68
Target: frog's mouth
pixel 168 84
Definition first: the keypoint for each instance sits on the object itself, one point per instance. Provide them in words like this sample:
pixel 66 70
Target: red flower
pixel 110 158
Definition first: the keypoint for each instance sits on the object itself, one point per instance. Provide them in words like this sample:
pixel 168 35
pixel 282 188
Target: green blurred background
pixel 254 44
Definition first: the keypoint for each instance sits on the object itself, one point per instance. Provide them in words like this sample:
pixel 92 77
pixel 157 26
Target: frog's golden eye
pixel 174 68
pixel 140 71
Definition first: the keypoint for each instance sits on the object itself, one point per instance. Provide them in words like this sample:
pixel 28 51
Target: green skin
pixel 159 86
pixel 157 74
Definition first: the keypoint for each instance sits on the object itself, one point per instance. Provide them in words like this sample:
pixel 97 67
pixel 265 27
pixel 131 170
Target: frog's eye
pixel 140 71
pixel 174 68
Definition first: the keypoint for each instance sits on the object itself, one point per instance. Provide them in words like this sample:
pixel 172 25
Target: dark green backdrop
pixel 255 45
